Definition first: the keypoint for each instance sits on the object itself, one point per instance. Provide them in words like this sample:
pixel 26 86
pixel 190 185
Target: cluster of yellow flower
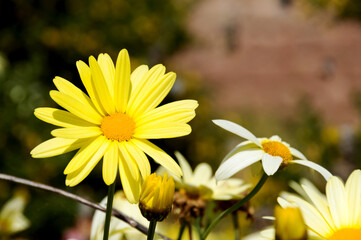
pixel 118 116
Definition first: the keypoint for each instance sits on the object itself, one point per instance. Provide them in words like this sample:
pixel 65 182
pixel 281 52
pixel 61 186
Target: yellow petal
pixel 102 93
pixel 84 111
pixel 152 95
pixel 66 87
pixel 159 156
pixel 56 146
pixel 131 186
pixel 84 154
pixel 122 81
pixel 129 159
pixel 60 118
pixel 107 67
pixel 86 78
pixel 178 111
pixel 170 130
pixel 140 158
pixel 137 75
pixel 138 93
pixel 110 164
pixel 77 132
pixel 76 177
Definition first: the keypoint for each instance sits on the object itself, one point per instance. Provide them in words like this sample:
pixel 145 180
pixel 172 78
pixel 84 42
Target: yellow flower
pixel 12 219
pixel 156 197
pixel 336 216
pixel 289 224
pixel 273 153
pixel 115 121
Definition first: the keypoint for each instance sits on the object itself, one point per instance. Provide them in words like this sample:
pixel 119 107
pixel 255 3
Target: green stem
pixel 151 229
pixel 198 226
pixel 237 230
pixel 108 212
pixel 235 206
pixel 181 230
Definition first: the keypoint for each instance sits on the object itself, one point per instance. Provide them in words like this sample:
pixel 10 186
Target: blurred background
pixel 284 67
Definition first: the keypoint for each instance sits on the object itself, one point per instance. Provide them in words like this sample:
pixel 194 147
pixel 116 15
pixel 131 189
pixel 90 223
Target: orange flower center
pixel 346 233
pixel 118 126
pixel 277 149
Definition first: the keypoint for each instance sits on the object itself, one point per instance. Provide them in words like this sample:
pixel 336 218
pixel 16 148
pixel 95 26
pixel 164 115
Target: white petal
pixel 297 153
pixel 237 162
pixel 284 203
pixel 246 145
pixel 320 203
pixel 202 174
pixel 237 129
pixel 312 217
pixel 186 168
pixel 271 163
pixel 323 171
pixel 336 197
pixel 353 190
pixel 275 138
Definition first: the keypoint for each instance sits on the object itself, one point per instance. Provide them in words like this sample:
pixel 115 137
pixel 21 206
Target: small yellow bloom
pixel 114 121
pixel 12 219
pixel 156 197
pixel 289 224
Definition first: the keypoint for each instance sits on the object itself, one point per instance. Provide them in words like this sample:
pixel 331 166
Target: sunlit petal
pixel 159 156
pixel 237 162
pixel 237 129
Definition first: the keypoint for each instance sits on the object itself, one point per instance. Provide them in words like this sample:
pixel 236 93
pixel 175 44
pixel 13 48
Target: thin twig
pixel 81 200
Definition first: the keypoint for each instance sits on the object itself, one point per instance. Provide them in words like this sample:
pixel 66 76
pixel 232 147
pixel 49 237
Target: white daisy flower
pixel 273 153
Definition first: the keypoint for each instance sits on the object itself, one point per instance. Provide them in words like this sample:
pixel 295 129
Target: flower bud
pixel 289 224
pixel 156 197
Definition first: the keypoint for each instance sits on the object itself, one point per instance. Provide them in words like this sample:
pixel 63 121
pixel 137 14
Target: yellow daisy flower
pixel 273 152
pixel 336 216
pixel 114 121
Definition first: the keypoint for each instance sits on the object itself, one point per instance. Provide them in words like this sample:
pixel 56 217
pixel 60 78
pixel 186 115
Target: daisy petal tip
pixel 108 181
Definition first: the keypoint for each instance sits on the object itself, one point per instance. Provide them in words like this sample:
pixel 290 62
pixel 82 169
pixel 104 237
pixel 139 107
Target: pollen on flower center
pixel 346 233
pixel 118 126
pixel 277 149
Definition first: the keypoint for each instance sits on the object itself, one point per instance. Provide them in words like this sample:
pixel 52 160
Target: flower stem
pixel 108 212
pixel 151 229
pixel 198 226
pixel 116 213
pixel 181 229
pixel 237 230
pixel 235 206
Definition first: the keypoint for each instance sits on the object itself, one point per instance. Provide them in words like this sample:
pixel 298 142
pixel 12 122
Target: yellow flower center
pixel 118 126
pixel 277 149
pixel 346 233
